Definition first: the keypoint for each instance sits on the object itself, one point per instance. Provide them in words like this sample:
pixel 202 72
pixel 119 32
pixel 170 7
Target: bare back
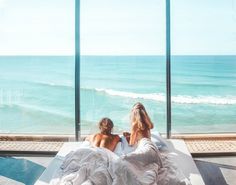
pixel 137 134
pixel 106 141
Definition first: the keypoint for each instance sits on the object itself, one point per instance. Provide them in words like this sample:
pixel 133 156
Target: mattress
pixel 176 149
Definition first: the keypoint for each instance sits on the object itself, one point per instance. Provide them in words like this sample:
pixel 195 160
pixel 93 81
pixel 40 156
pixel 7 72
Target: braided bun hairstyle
pixel 105 126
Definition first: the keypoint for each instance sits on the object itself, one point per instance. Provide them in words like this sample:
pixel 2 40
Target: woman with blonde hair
pixel 146 151
pixel 141 124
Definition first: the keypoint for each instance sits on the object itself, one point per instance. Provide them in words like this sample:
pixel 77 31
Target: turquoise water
pixel 37 93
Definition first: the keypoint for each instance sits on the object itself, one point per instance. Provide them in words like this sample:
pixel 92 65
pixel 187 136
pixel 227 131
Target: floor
pixel 17 170
pixel 30 146
pixel 211 145
pixel 217 170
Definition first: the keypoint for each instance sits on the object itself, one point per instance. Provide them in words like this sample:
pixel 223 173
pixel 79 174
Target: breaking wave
pixel 179 99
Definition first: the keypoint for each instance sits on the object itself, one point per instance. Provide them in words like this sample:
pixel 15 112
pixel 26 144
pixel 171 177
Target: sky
pixel 117 27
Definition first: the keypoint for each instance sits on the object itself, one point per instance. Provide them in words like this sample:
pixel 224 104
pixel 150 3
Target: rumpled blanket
pixel 99 166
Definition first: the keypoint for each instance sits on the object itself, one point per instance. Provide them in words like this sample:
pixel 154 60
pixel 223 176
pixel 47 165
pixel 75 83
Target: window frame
pixel 77 71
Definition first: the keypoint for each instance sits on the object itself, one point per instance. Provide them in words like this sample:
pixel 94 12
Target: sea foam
pixel 179 99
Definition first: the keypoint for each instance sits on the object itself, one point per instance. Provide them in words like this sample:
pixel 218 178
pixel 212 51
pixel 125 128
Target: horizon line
pixel 116 55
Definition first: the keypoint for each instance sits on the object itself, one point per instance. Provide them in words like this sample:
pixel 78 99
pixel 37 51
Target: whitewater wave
pixel 180 99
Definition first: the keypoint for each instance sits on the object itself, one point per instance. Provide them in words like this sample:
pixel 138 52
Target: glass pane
pixel 37 66
pixel 123 61
pixel 203 66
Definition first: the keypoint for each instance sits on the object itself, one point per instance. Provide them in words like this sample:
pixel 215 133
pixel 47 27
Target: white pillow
pixel 118 150
pixel 158 140
pixel 123 147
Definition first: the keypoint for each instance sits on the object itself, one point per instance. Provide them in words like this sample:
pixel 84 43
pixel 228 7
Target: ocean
pixel 37 93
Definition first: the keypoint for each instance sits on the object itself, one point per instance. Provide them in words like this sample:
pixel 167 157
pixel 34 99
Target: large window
pixel 203 66
pixel 37 66
pixel 122 62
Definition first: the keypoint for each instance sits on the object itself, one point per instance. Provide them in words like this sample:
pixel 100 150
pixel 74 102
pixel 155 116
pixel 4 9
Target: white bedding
pixel 143 166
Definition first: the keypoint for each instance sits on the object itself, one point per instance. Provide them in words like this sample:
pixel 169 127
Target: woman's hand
pixel 127 136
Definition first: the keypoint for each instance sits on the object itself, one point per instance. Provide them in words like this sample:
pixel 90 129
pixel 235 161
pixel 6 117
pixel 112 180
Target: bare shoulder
pixel 96 136
pixel 93 137
pixel 116 137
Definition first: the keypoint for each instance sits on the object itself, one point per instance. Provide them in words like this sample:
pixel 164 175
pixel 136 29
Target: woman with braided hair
pixel 105 138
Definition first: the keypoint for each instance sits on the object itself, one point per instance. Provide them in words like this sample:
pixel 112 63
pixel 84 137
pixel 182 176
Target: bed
pixel 175 148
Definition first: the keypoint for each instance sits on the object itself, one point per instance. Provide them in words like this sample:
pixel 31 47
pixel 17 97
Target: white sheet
pixel 91 165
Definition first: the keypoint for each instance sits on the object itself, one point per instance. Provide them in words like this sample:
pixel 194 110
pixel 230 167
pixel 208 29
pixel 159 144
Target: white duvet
pixel 99 166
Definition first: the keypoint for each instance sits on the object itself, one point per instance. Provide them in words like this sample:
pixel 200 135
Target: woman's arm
pixel 89 138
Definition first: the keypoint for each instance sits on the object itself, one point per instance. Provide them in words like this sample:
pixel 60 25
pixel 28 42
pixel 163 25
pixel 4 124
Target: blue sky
pixel 117 27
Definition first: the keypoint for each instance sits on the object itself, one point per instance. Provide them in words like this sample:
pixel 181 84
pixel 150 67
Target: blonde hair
pixel 105 126
pixel 140 118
